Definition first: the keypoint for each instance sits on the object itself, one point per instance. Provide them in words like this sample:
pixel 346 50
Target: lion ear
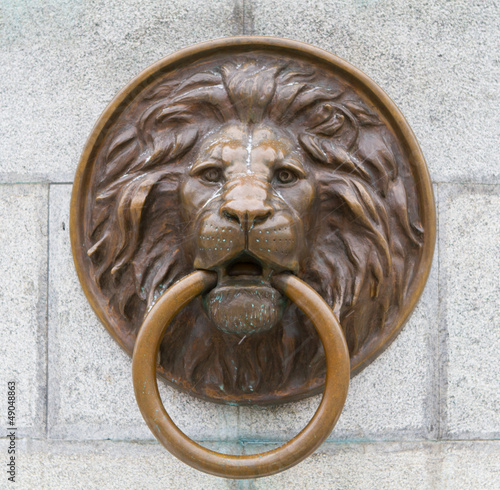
pixel 333 125
pixel 327 152
pixel 123 140
pixel 362 113
pixel 122 151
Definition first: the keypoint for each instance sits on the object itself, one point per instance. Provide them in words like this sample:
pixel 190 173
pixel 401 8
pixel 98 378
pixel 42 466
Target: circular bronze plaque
pixel 250 156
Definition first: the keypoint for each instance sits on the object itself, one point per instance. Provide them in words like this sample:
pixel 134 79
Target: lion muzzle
pixel 246 240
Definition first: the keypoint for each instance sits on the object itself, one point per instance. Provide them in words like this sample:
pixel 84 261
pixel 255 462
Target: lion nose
pixel 247 212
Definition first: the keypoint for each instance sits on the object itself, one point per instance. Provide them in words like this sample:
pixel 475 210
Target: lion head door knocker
pixel 254 219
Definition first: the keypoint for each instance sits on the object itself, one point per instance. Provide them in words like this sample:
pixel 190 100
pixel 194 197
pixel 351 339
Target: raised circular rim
pixel 253 465
pixel 247 43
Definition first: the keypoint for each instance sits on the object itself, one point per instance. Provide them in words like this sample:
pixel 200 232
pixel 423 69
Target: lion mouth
pixel 244 265
pixel 243 301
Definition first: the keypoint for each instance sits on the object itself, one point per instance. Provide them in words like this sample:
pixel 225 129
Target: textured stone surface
pixel 470 302
pixel 90 392
pixel 62 61
pixel 358 466
pixel 117 465
pixel 394 397
pixel 468 465
pixel 23 300
pixel 110 465
pixel 439 61
pixel 392 466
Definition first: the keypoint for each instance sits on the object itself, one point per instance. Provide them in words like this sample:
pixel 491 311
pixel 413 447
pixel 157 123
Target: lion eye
pixel 211 174
pixel 285 176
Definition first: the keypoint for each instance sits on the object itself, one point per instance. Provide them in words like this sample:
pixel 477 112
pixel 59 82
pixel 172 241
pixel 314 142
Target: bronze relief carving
pixel 253 158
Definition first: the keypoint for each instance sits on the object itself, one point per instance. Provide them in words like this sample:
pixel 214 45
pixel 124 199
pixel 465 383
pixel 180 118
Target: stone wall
pixel 426 414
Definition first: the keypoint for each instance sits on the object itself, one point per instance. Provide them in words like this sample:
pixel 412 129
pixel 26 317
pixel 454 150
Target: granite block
pixel 469 243
pixel 23 299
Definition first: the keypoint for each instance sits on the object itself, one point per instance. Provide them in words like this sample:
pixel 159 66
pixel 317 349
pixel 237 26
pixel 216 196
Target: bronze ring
pixel 247 466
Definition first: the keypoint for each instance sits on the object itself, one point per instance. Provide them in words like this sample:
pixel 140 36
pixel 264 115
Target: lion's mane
pixel 362 256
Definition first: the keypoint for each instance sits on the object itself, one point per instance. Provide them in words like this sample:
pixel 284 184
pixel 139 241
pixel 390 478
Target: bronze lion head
pixel 250 167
